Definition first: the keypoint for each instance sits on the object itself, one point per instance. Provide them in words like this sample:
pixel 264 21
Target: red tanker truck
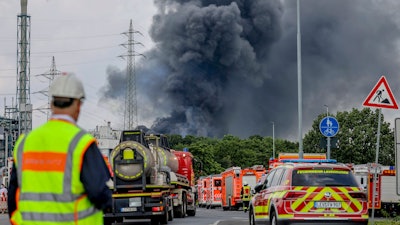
pixel 151 181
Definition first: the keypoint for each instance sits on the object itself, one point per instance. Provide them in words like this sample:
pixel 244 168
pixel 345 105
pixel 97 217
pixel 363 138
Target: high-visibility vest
pixel 48 163
pixel 246 193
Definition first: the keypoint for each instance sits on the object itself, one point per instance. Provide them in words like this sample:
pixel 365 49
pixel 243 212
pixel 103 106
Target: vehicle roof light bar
pixel 309 160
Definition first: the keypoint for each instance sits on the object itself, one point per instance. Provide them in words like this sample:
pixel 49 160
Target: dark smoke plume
pixel 222 66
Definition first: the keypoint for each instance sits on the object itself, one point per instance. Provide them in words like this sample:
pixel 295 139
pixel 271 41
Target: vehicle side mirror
pixel 258 188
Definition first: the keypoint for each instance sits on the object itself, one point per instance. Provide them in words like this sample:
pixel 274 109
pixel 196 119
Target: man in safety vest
pixel 245 195
pixel 59 175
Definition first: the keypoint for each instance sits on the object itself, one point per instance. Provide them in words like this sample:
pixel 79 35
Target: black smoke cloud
pixel 230 67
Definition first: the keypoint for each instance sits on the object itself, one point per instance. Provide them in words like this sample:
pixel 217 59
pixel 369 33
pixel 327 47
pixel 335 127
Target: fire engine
pixel 201 193
pixel 213 191
pixel 232 182
pixel 386 199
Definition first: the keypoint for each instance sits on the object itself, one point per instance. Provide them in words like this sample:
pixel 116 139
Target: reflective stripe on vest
pixel 246 193
pixel 76 206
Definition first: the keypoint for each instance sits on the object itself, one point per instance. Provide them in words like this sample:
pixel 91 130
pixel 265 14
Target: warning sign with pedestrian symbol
pixel 381 96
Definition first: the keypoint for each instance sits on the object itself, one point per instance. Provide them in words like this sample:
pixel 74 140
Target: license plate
pixel 129 209
pixel 135 202
pixel 330 205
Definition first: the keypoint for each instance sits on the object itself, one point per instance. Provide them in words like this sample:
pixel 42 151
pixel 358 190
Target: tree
pixel 356 138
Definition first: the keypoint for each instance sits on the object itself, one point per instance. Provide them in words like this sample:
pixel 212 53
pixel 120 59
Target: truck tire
pixel 192 212
pixel 164 218
pixel 171 215
pixel 180 210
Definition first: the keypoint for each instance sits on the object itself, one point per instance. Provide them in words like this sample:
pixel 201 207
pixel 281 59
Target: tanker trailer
pixel 142 187
pixel 181 174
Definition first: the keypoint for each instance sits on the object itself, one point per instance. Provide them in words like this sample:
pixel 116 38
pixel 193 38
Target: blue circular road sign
pixel 329 126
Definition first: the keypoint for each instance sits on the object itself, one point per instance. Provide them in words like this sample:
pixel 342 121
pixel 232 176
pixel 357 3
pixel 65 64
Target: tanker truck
pixel 151 181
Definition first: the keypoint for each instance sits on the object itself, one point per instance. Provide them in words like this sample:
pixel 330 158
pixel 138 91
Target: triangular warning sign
pixel 381 96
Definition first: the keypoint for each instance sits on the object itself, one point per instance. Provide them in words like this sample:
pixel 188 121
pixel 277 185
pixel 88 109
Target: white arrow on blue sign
pixel 329 126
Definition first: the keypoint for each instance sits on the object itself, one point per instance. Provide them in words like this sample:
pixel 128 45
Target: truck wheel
pixel 184 205
pixel 180 210
pixel 171 215
pixel 192 212
pixel 164 218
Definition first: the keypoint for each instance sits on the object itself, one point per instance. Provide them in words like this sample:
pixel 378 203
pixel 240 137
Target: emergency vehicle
pixel 231 187
pixel 233 179
pixel 309 193
pixel 386 200
pixel 274 162
pixel 201 192
pixel 213 191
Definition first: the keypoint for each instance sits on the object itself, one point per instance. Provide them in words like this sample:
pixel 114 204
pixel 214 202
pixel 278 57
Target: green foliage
pixel 356 143
pixel 356 138
pixel 218 154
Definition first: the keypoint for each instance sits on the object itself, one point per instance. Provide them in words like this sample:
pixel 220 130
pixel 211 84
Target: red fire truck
pixel 232 182
pixel 213 191
pixel 201 191
pixel 386 200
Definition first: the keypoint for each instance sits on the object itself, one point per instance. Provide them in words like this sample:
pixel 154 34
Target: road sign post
pixel 397 152
pixel 381 96
pixel 329 127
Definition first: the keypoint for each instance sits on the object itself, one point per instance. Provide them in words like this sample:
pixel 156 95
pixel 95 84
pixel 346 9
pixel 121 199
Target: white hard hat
pixel 68 86
pixel 245 183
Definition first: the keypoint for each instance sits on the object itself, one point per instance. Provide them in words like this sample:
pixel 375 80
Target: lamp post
pixel 273 140
pixel 299 86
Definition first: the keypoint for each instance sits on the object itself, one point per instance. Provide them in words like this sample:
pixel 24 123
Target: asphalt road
pixel 203 217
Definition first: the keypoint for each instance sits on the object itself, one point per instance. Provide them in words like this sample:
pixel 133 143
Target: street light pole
pixel 273 140
pixel 299 90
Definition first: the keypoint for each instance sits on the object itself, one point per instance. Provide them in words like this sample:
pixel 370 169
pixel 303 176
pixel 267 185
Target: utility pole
pixel 130 113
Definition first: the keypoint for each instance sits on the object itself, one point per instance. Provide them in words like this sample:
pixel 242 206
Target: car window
pixel 283 178
pixel 268 180
pixel 323 177
pixel 277 178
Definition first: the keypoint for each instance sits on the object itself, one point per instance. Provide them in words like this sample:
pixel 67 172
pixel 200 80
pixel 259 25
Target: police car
pixel 309 193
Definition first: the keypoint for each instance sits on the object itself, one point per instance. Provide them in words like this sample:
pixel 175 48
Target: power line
pixel 75 50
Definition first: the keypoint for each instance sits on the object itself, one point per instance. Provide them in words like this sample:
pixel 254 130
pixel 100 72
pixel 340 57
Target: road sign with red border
pixel 381 96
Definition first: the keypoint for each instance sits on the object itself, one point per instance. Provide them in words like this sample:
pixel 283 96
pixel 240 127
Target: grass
pixel 388 221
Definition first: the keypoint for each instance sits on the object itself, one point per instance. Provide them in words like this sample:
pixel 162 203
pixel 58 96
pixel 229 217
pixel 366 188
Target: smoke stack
pixel 24 7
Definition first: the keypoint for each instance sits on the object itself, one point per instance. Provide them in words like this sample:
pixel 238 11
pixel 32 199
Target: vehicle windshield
pixel 323 177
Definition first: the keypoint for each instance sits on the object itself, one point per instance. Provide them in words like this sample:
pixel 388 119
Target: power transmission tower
pixel 23 70
pixel 50 75
pixel 130 113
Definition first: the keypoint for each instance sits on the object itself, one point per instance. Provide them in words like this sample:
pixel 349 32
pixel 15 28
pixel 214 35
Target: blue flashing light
pixel 310 160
